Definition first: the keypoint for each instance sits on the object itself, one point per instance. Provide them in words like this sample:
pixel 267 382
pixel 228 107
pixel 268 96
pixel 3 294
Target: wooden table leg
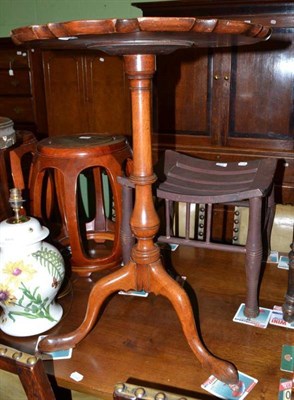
pixel 145 270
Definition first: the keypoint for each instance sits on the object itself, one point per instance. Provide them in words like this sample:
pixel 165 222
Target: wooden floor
pixel 216 285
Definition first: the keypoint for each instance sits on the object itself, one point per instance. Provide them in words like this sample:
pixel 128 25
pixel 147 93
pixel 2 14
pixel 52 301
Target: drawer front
pixel 13 58
pixel 19 109
pixel 18 84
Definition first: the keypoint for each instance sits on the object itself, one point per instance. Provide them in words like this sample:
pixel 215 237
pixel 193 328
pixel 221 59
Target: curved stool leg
pixel 253 257
pixel 36 191
pixel 162 283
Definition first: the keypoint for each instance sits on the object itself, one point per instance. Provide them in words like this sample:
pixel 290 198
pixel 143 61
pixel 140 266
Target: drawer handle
pixel 18 110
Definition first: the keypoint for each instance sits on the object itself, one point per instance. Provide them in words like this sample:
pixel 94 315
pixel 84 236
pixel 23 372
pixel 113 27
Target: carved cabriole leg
pixel 122 279
pixel 253 257
pixel 288 306
pixel 161 283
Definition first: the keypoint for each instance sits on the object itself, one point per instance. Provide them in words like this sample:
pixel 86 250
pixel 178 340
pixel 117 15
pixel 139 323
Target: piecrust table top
pixel 143 35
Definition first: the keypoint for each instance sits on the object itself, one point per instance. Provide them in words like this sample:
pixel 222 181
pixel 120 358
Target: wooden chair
pixel 94 239
pixel 195 181
pixel 30 370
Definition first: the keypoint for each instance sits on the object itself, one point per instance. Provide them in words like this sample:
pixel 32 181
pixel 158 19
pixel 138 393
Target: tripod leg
pixel 122 279
pixel 162 283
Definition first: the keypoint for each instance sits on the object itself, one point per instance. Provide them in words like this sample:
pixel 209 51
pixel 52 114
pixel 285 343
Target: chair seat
pixel 195 180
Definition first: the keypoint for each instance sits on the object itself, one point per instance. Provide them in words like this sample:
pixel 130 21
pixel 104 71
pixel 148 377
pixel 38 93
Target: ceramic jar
pixel 31 273
pixel 7 133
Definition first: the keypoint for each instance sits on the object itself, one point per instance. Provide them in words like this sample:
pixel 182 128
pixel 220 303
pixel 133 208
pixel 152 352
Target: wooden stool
pixel 192 180
pixel 59 161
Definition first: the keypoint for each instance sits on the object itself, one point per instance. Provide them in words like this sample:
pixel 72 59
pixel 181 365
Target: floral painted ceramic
pixel 31 273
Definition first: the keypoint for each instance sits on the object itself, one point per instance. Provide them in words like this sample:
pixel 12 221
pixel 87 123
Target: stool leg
pixel 36 184
pixel 99 221
pixel 70 204
pixel 254 251
pixel 269 220
pixel 42 184
pixel 288 306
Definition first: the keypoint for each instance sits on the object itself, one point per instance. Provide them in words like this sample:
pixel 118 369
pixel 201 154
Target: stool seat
pixel 58 165
pixel 196 180
pixel 85 145
pixel 205 183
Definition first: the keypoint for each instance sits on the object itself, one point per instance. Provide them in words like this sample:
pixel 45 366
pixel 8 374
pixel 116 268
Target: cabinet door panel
pixel 262 96
pixel 107 95
pixel 182 93
pixel 64 86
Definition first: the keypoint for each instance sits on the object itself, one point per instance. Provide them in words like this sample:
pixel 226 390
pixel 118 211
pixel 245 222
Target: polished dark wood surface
pixel 140 339
pixel 150 35
pixel 139 41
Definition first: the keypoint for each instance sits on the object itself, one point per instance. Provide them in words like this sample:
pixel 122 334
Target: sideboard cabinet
pixel 22 97
pixel 228 104
pixel 85 92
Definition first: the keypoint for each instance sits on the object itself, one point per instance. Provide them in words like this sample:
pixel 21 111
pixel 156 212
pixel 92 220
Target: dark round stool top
pixel 80 145
pixel 145 35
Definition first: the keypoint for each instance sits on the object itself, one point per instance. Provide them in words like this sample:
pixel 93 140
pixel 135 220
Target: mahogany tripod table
pixel 139 41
